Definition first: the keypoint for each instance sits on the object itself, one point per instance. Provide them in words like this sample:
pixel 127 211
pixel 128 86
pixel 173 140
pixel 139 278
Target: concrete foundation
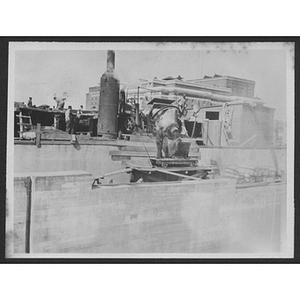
pixel 65 215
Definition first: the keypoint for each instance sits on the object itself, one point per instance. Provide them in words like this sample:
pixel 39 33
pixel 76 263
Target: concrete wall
pixel 97 159
pixel 258 219
pixel 22 194
pixel 209 216
pixel 54 158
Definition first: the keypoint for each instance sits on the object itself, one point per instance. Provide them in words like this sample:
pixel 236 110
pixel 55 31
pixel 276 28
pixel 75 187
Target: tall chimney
pixel 110 61
pixel 109 99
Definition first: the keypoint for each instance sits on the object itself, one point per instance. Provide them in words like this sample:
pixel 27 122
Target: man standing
pixel 79 112
pixel 29 104
pixel 76 119
pixel 160 134
pixel 60 102
pixel 68 119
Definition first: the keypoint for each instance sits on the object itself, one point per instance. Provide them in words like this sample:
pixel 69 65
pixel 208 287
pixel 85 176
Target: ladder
pixel 24 122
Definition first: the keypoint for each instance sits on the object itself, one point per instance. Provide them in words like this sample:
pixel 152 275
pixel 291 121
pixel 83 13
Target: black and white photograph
pixel 150 150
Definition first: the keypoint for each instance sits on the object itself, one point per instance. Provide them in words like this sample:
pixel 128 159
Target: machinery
pixel 126 117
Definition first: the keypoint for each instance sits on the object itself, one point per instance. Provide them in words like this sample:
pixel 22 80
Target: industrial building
pixel 92 98
pixel 228 113
pixel 172 87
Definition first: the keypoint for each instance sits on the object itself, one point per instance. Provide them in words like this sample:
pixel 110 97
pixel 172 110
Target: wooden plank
pixel 167 172
pixel 185 168
pixel 169 160
pixel 26 124
pixel 114 173
pixel 141 154
pixel 56 139
pixel 131 153
pixel 26 117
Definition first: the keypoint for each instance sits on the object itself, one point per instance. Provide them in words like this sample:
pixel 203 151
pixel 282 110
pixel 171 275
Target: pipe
pixel 215 97
pixel 206 95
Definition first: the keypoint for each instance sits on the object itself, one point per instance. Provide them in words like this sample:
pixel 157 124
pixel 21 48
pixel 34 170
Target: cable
pixel 146 152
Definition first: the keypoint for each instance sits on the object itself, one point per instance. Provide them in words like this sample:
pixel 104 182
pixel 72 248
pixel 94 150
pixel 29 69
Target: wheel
pixel 164 164
pixel 193 164
pixel 129 124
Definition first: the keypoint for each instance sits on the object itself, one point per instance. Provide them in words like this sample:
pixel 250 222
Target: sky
pixel 40 70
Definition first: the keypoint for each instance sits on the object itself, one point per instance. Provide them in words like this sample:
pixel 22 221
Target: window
pixel 212 115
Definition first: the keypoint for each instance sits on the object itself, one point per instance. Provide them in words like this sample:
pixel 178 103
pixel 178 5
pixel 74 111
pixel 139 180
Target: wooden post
pixel 73 138
pixel 38 135
pixel 221 131
pixel 55 122
pixel 28 215
pixel 21 125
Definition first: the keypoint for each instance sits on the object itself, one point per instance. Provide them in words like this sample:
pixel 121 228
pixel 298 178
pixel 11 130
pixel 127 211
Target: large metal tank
pixel 109 98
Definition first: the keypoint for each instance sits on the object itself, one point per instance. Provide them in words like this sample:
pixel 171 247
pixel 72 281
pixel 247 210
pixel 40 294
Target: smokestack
pixel 110 61
pixel 109 99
